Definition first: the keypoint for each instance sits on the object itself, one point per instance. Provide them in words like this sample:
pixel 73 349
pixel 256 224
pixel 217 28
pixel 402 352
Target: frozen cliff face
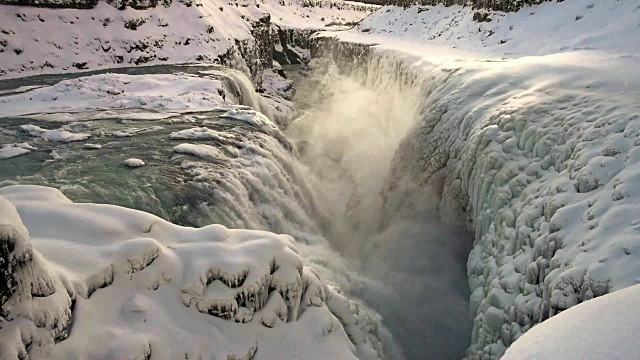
pixel 535 154
pixel 99 280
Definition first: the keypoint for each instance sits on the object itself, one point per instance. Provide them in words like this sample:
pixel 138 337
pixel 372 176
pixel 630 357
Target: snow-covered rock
pixel 157 288
pixel 134 163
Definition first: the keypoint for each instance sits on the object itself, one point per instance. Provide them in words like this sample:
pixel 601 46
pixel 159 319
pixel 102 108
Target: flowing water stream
pixel 328 192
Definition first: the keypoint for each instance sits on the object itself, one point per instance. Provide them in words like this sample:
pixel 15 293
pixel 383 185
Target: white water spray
pixel 412 266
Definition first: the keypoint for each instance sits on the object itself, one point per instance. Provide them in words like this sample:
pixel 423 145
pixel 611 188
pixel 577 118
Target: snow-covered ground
pixel 604 328
pixel 119 283
pixel 38 40
pixel 531 123
pixel 548 28
pixel 319 15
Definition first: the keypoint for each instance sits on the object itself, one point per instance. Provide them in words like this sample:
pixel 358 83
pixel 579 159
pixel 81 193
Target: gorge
pixel 443 184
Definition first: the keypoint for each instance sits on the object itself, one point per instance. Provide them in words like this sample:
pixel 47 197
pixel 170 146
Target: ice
pixel 155 287
pixel 90 146
pixel 252 118
pixel 534 142
pixel 258 120
pixel 134 163
pixel 135 131
pixel 59 135
pixel 13 150
pixel 201 133
pixel 199 150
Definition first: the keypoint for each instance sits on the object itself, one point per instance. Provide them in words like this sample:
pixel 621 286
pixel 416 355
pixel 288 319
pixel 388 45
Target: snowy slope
pixel 38 40
pixel 535 143
pixel 605 328
pixel 543 29
pixel 119 283
pixel 315 14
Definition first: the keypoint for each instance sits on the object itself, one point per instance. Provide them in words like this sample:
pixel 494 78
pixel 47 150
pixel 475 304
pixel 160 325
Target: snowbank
pixel 604 328
pixel 534 145
pixel 89 280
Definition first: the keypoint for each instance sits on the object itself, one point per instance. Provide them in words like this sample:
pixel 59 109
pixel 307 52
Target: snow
pixel 99 37
pixel 251 117
pixel 13 150
pixel 59 135
pixel 160 96
pixel 294 14
pixel 535 140
pixel 129 132
pixel 199 150
pixel 603 328
pixel 201 133
pixel 259 121
pixel 543 29
pixel 154 287
pixel 134 163
pixel 92 146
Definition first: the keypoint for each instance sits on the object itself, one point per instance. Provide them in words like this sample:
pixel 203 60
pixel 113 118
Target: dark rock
pixel 80 65
pixel 481 17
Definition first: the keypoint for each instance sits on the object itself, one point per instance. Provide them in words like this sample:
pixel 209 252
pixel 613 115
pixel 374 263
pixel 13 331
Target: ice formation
pixel 60 135
pixel 134 163
pixel 157 288
pixel 536 154
pixel 13 150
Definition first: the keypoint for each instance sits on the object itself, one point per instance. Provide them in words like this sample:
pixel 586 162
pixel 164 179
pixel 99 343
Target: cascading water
pixel 350 131
pixel 341 192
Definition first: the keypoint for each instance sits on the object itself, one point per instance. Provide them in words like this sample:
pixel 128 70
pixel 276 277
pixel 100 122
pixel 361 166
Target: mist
pixel 398 257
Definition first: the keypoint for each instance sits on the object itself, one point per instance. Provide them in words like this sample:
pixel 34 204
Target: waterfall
pixel 383 216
